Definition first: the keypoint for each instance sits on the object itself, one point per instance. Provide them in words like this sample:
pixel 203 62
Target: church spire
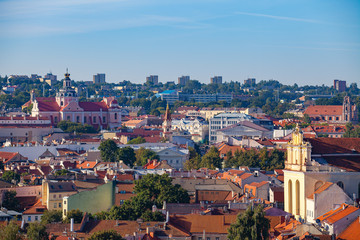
pixel 167 114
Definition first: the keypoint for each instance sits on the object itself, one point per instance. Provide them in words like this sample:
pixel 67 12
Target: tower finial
pixel 67 70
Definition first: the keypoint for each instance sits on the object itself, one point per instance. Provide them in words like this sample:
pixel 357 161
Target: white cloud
pixel 278 17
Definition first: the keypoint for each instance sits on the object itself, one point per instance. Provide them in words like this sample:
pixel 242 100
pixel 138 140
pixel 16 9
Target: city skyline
pixel 303 42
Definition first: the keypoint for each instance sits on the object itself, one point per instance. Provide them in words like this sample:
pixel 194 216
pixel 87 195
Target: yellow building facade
pixel 303 175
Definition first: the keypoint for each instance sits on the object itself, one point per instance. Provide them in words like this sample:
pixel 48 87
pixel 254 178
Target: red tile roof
pixel 48 104
pixel 321 189
pixel 334 145
pixel 324 110
pixel 93 106
pixel 335 215
pixel 351 232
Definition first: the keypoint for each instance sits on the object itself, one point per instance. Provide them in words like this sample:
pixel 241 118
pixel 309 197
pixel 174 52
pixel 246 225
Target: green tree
pixel 52 216
pixel 252 224
pixel 159 188
pixel 211 159
pixel 137 140
pixel 352 131
pixel 9 176
pixel 37 231
pixel 307 119
pixel 106 235
pixel 10 232
pixel 143 155
pixel 194 160
pixel 76 214
pixel 127 155
pixel 10 201
pixel 61 172
pixel 149 216
pixel 108 150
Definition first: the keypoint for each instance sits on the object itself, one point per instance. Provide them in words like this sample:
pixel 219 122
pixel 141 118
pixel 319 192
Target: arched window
pixel 77 119
pixel 290 208
pixel 297 189
pixel 115 115
pixel 68 118
pixel 340 184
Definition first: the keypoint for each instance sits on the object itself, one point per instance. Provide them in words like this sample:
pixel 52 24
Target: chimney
pixel 164 205
pixel 167 216
pixel 72 225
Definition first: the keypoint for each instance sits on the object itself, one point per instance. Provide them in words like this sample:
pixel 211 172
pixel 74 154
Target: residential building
pixel 340 85
pixel 347 112
pixel 337 220
pixel 224 120
pixel 153 79
pixel 243 129
pixel 54 192
pixel 312 163
pixel 328 196
pixel 66 106
pixel 197 128
pixel 216 80
pixel 100 199
pixel 183 80
pixel 99 78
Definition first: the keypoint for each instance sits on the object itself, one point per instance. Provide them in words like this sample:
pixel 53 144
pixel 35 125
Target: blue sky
pixel 303 42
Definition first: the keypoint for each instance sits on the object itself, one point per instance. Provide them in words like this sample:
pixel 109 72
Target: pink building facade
pixel 66 106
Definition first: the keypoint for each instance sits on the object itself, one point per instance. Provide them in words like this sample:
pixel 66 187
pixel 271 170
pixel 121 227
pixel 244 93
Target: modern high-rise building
pixel 154 79
pixel 183 80
pixel 250 81
pixel 216 80
pixel 99 78
pixel 340 85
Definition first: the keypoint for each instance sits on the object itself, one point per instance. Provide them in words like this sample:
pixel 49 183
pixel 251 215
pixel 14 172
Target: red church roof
pixel 324 110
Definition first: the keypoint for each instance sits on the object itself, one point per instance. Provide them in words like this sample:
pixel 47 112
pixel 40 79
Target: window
pixel 199 238
pixel 217 238
pixel 56 119
pixel 29 218
pixel 59 205
pixel 115 115
pixel 77 119
pixel 64 202
pixel 84 119
pixel 68 118
pixel 121 202
pixel 104 119
pixel 36 218
pixel 64 211
pixel 59 195
pixel 340 184
pixel 55 205
pixel 94 119
pixel 208 238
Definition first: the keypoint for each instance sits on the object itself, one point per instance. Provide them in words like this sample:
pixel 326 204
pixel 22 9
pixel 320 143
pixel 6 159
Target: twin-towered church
pixel 66 106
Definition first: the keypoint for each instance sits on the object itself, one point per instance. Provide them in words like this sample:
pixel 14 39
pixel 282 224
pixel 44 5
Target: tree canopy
pixel 150 190
pixel 9 176
pixel 10 231
pixel 252 224
pixel 108 150
pixel 211 159
pixel 106 235
pixel 10 201
pixel 137 140
pixel 52 216
pixel 143 155
pixel 127 155
pixel 37 231
pixel 70 127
